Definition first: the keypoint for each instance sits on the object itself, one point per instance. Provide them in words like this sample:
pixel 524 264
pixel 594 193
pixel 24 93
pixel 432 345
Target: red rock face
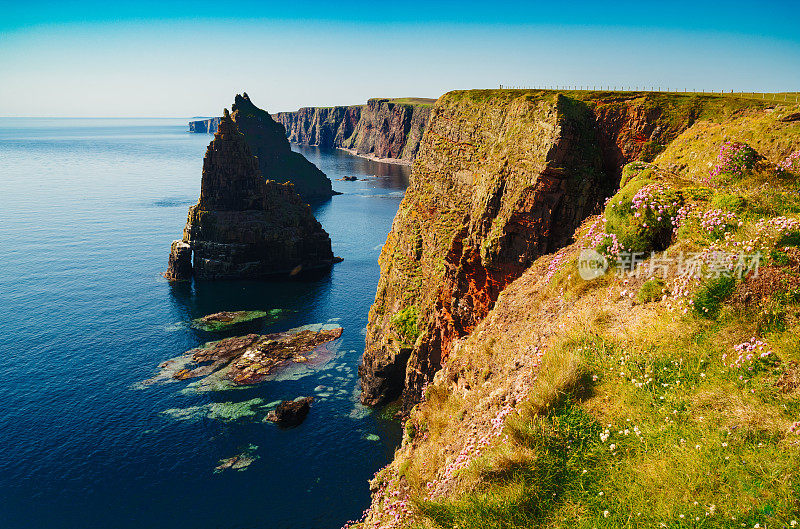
pixel 380 128
pixel 540 168
pixel 321 127
pixel 628 126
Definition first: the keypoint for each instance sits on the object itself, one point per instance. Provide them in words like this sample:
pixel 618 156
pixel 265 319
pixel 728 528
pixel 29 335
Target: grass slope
pixel 629 401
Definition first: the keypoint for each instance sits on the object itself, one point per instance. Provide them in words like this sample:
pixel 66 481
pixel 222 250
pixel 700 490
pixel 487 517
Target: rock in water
pixel 180 262
pixel 221 321
pixel 251 358
pixel 291 412
pixel 243 225
pixel 276 160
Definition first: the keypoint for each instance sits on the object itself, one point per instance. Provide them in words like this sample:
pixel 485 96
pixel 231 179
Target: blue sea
pixel 88 210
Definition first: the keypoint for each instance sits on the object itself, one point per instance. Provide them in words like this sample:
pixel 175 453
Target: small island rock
pixel 291 413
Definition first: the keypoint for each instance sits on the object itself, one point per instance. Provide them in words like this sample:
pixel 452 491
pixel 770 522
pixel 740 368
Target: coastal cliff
pixel 538 391
pixel 326 127
pixel 245 226
pixel 502 177
pixel 386 129
pixel 204 126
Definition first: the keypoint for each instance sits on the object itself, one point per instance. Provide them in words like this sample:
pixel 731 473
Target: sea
pixel 88 438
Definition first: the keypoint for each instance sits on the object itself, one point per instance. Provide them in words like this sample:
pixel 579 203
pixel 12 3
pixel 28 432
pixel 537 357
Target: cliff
pixel 267 141
pixel 205 126
pixel 502 177
pixel 326 127
pixel 244 226
pixel 549 382
pixel 389 129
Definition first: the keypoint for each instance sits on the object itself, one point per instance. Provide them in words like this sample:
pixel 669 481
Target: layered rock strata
pixel 244 226
pixel 501 178
pixel 383 128
pixel 251 358
pixel 267 141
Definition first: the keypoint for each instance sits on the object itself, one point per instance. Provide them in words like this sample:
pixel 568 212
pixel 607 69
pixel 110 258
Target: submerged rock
pixel 244 226
pixel 291 412
pixel 251 358
pixel 238 462
pixel 221 321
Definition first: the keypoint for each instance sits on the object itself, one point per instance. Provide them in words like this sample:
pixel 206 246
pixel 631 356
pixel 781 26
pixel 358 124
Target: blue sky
pixel 179 59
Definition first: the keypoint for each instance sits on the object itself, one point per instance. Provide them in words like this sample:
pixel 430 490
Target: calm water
pixel 88 210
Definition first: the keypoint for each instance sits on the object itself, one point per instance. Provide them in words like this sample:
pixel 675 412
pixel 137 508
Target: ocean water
pixel 88 208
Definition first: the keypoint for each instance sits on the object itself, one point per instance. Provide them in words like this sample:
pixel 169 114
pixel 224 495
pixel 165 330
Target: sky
pixel 183 59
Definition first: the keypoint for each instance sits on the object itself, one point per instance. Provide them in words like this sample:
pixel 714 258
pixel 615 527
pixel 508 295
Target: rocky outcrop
pixel 223 321
pixel 290 413
pixel 276 160
pixel 204 126
pixel 501 178
pixel 383 128
pixel 244 226
pixel 251 358
pixel 179 267
pixel 267 141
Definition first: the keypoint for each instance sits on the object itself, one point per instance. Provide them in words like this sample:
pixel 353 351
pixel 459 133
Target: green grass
pixel 650 231
pixel 416 101
pixel 694 447
pixel 712 294
pixel 405 325
pixel 650 291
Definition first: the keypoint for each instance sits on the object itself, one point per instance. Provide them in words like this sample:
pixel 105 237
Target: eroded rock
pixel 251 358
pixel 243 226
pixel 179 267
pixel 291 413
pixel 221 321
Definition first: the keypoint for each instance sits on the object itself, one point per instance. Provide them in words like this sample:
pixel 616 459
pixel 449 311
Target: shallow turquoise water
pixel 88 210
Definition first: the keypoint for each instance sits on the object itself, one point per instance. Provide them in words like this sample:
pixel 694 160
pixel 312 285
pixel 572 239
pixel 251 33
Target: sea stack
pixel 244 226
pixel 276 160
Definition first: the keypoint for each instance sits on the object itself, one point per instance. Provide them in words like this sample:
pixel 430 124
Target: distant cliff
pixel 204 126
pixel 389 129
pixel 385 129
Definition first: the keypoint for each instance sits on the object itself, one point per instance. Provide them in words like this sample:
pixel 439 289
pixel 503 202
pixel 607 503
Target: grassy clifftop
pixel 664 392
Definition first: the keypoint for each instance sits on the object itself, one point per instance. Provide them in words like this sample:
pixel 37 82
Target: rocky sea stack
pixel 276 160
pixel 245 226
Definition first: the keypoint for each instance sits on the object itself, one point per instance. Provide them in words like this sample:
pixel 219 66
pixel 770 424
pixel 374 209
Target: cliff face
pixel 383 128
pixel 324 127
pixel 501 178
pixel 244 226
pixel 205 126
pixel 496 183
pixel 622 400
